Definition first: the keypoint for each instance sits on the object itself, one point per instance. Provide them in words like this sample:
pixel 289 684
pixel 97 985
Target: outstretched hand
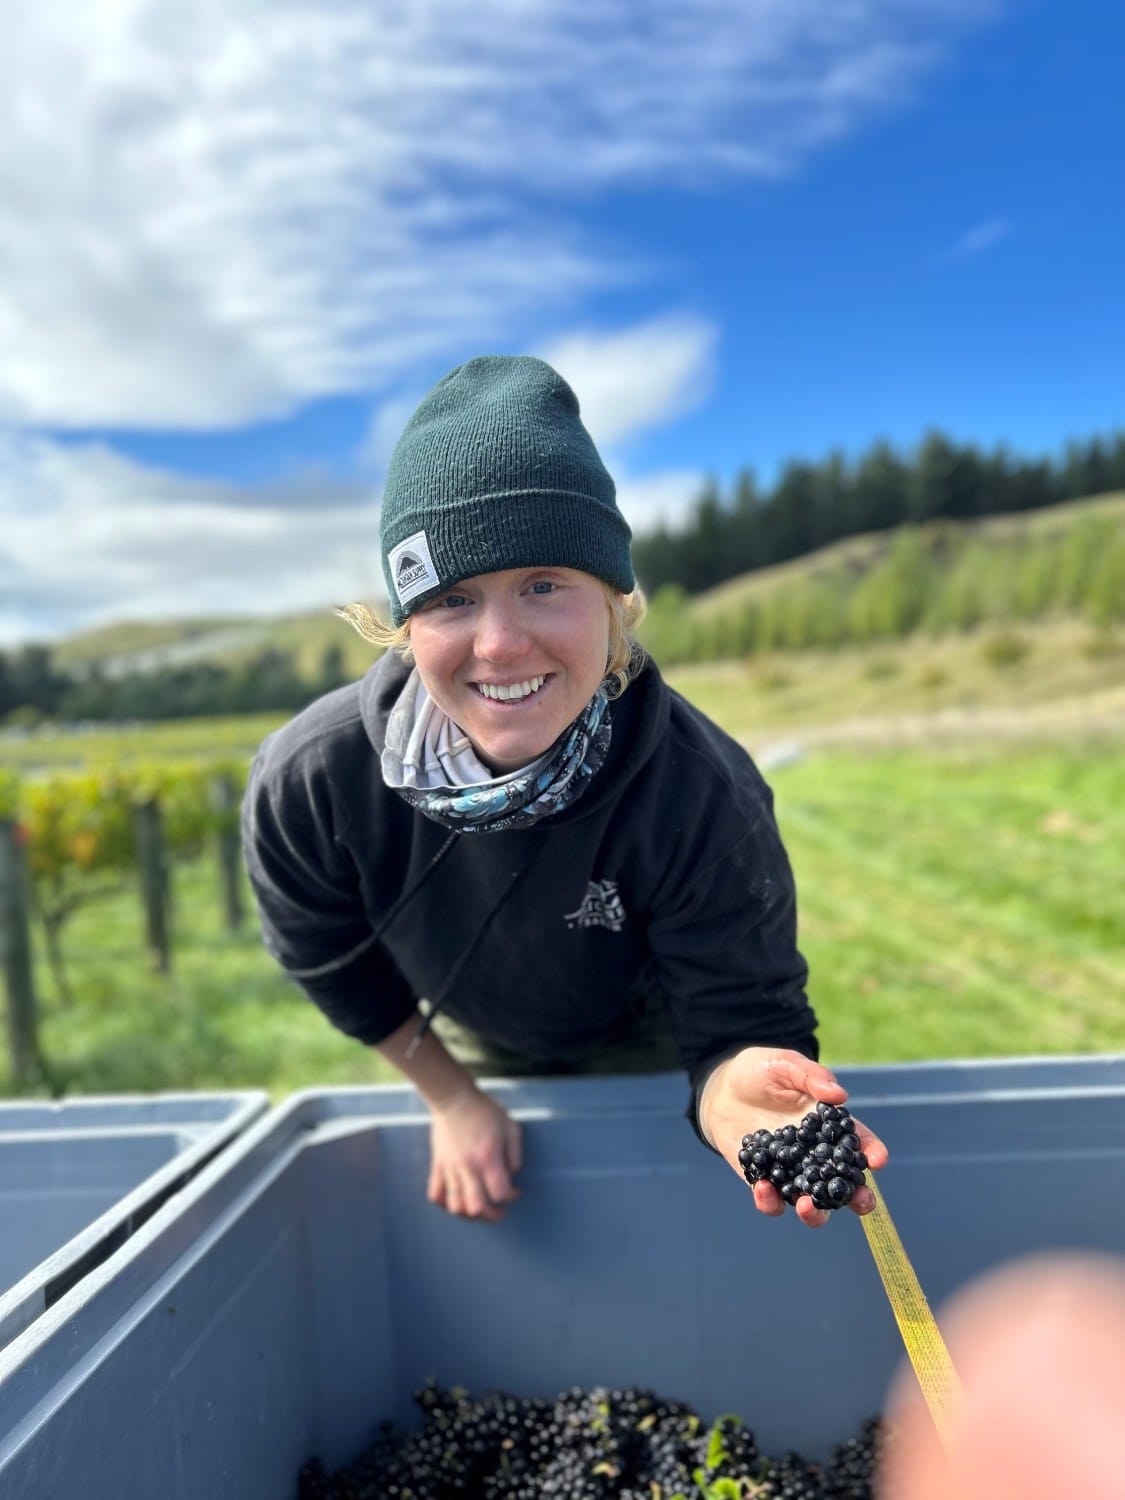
pixel 763 1088
pixel 475 1152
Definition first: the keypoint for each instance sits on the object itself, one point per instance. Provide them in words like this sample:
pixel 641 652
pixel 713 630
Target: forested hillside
pixel 745 528
pixel 943 576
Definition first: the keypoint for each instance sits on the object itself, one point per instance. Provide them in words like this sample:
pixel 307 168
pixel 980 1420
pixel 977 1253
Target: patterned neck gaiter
pixel 554 781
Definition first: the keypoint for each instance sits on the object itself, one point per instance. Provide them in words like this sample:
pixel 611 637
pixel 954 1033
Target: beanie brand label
pixel 412 567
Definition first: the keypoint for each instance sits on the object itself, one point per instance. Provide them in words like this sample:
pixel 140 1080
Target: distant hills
pixel 228 641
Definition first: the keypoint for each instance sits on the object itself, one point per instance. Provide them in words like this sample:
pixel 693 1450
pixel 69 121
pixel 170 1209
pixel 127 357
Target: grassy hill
pixel 142 646
pixel 857 555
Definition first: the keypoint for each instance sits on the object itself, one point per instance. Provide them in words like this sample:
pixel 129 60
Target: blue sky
pixel 240 238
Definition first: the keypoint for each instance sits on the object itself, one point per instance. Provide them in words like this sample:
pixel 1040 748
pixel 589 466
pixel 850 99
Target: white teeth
pixel 512 690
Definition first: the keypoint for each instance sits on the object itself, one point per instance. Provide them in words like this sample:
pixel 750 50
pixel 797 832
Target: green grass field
pixel 964 903
pixel 954 903
pixel 235 737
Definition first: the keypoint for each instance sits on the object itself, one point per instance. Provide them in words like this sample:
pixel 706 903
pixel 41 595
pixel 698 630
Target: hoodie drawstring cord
pixel 470 948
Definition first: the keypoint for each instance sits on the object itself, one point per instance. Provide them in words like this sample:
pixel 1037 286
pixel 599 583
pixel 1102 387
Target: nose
pixel 500 632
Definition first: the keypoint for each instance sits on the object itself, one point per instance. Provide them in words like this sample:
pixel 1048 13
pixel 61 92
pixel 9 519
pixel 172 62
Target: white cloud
pixel 87 536
pixel 636 378
pixel 215 210
pixel 658 499
pixel 979 238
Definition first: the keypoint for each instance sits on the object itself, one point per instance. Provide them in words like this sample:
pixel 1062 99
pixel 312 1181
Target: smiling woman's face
pixel 513 657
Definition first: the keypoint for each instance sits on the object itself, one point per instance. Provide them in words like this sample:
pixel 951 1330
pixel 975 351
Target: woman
pixel 514 822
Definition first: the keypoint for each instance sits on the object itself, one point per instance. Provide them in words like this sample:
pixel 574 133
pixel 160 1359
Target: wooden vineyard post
pixel 224 803
pixel 153 866
pixel 15 954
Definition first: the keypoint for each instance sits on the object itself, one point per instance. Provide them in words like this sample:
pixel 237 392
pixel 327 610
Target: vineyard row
pixel 69 837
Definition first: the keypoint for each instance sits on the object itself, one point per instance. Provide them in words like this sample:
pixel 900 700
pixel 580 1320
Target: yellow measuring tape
pixel 924 1343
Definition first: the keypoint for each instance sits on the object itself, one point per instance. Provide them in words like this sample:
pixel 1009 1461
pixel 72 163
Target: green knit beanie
pixel 495 470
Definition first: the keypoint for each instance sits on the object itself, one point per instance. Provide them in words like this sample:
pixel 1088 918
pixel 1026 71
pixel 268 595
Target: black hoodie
pixel 666 879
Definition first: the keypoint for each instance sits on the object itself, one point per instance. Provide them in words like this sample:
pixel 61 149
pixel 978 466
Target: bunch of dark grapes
pixel 819 1157
pixel 791 1478
pixel 596 1444
pixel 854 1462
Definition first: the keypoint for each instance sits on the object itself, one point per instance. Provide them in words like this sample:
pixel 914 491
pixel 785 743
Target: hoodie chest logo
pixel 601 907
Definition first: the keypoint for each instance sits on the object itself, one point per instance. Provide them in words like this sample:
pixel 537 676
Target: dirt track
pixel 1093 715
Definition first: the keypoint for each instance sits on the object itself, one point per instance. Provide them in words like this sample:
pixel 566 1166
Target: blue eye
pixel 452 601
pixel 543 586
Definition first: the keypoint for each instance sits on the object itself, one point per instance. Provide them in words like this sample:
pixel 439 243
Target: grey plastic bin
pixel 79 1176
pixel 301 1287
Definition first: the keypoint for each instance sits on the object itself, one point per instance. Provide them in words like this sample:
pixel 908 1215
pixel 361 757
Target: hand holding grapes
pixel 764 1088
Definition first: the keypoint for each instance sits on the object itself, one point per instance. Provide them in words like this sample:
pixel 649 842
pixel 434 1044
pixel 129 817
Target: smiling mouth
pixel 510 692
